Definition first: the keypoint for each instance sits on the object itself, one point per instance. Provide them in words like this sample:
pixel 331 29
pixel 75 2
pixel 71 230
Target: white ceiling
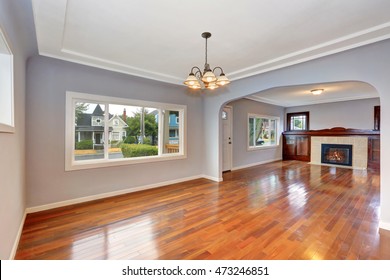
pixel 161 40
pixel 301 95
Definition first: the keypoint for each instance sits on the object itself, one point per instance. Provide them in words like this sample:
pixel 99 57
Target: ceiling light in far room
pixel 206 80
pixel 316 91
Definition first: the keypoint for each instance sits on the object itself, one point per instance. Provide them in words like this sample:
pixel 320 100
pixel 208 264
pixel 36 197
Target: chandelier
pixel 196 79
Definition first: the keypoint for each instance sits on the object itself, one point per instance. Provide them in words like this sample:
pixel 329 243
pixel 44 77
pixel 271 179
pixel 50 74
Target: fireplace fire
pixel 336 154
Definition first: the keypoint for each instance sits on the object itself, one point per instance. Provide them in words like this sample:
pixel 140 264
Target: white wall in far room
pixel 358 114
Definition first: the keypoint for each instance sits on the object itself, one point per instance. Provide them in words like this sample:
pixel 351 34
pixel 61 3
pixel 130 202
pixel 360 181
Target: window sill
pixel 91 164
pixel 7 128
pixel 262 148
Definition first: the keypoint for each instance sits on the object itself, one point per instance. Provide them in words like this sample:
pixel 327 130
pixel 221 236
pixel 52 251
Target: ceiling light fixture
pixel 317 91
pixel 196 79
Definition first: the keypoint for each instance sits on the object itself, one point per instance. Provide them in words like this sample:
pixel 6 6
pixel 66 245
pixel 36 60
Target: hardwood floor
pixel 281 210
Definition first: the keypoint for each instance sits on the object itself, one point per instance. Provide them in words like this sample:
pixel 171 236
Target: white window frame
pixel 115 136
pixel 7 119
pixel 277 134
pixel 73 97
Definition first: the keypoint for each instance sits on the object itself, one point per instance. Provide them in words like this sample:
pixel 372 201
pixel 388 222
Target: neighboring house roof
pixel 121 121
pixel 84 121
pixel 92 128
pixel 98 111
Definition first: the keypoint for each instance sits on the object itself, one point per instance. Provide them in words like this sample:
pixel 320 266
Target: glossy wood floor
pixel 281 210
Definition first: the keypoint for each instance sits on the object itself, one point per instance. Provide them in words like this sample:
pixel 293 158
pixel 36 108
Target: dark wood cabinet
pixel 373 160
pixel 296 147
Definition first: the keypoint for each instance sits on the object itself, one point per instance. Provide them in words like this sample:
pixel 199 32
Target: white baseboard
pixel 255 163
pixel 109 194
pixel 18 235
pixel 384 225
pixel 215 179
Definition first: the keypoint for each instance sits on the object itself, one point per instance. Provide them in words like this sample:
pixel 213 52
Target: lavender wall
pixel 16 23
pixel 47 181
pixel 241 156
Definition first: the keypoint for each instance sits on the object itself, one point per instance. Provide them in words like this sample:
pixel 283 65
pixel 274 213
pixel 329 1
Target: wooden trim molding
pixel 335 131
pixel 294 114
pixel 377 117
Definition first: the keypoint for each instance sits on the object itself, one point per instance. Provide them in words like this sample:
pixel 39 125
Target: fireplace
pixel 336 154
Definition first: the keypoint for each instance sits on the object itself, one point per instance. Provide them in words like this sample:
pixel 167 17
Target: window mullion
pixel 255 132
pixel 181 131
pixel 269 131
pixel 160 132
pixel 106 130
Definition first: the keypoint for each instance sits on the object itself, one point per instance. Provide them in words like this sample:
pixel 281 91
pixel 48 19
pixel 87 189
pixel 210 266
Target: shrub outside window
pixel 262 131
pixel 107 131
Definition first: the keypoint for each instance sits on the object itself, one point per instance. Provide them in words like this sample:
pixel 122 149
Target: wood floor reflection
pixel 280 210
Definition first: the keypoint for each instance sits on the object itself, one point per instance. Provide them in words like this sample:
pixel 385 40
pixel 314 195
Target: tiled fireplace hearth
pixel 340 151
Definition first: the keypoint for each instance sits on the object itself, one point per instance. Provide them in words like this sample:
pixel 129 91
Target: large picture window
pixel 262 131
pixel 107 131
pixel 6 87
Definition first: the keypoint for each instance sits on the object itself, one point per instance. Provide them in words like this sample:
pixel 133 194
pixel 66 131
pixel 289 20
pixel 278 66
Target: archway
pixel 348 104
pixel 368 64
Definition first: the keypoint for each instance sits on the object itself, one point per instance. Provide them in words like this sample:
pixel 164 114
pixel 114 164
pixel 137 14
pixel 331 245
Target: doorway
pixel 227 123
pixel 98 137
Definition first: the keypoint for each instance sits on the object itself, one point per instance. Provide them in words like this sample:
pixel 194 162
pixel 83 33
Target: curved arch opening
pixel 348 104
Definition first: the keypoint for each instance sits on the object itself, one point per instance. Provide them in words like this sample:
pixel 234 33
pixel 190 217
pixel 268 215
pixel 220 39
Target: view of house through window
pixel 171 141
pixel 89 131
pixel 263 131
pixel 133 131
pixel 106 131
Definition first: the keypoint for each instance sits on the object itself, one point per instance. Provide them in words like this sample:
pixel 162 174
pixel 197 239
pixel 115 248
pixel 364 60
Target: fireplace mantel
pixel 335 131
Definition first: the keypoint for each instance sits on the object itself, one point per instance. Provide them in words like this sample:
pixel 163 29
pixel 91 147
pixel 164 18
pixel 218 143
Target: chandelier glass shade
pixel 206 79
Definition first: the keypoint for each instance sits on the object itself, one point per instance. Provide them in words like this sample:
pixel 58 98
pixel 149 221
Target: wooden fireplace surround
pixel 297 144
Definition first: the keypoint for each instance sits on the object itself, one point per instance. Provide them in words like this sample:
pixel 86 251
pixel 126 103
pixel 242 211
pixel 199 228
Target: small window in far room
pixel 262 131
pixel 6 86
pixel 298 121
